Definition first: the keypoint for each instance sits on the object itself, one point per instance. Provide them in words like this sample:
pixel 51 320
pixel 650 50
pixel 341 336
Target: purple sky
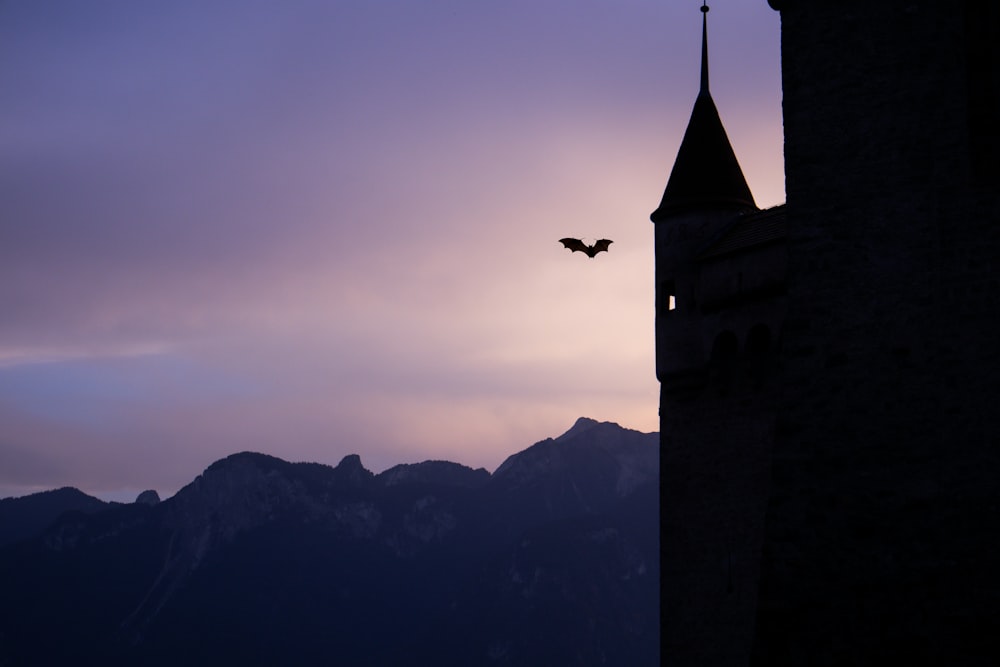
pixel 312 228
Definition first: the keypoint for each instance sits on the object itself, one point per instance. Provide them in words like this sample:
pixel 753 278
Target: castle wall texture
pixel 714 462
pixel 883 512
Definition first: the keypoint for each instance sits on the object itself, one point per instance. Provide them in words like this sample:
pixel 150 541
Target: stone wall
pixel 884 502
pixel 714 467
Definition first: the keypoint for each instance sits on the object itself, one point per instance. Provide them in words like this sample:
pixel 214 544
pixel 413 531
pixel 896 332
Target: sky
pixel 314 228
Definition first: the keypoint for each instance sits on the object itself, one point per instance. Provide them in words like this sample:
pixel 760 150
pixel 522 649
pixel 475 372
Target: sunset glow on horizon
pixel 314 229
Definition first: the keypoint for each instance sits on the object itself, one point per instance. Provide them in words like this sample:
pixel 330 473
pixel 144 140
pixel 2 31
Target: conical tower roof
pixel 706 174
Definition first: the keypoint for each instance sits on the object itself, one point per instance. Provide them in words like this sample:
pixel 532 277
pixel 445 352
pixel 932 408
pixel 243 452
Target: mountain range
pixel 553 559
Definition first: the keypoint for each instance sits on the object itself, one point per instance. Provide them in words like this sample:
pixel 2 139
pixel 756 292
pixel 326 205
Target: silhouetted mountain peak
pixel 350 462
pixel 25 517
pixel 444 473
pixel 635 453
pixel 246 460
pixel 587 469
pixel 591 431
pixel 580 426
pixel 148 497
pixel 350 471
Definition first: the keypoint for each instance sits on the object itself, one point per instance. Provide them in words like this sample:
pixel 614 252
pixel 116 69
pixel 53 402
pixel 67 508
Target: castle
pixel 829 368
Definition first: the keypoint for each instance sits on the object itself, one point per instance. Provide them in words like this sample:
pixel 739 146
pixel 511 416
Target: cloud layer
pixel 320 228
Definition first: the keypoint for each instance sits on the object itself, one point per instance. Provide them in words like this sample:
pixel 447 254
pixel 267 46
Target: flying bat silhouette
pixel 590 250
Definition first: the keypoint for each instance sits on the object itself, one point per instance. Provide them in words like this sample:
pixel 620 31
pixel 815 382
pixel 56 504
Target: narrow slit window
pixel 668 296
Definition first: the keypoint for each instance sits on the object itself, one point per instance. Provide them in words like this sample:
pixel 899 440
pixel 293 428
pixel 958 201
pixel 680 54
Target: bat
pixel 590 250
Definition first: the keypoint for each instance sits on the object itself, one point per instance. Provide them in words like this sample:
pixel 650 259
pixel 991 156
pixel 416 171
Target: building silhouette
pixel 829 368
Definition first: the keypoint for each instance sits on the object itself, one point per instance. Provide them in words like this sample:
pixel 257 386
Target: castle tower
pixel 706 189
pixel 720 271
pixel 720 286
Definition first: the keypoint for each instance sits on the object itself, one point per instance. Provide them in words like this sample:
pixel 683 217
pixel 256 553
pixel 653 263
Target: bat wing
pixel 600 245
pixel 574 244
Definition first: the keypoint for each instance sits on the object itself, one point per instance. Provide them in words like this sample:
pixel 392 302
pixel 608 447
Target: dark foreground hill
pixel 551 560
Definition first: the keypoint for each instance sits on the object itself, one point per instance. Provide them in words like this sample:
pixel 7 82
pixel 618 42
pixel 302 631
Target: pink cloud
pixel 332 228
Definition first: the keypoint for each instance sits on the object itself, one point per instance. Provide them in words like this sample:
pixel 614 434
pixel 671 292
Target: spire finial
pixel 704 48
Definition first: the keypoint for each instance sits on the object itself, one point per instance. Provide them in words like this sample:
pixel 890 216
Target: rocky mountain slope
pixel 552 559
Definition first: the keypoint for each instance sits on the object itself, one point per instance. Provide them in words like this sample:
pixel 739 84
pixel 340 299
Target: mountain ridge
pixel 519 562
